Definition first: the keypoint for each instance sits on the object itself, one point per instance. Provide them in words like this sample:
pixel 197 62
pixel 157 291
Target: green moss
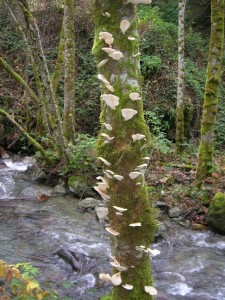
pixel 216 215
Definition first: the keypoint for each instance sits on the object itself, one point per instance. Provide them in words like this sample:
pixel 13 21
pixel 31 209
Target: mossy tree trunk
pixel 69 58
pixel 180 80
pixel 206 148
pixel 122 143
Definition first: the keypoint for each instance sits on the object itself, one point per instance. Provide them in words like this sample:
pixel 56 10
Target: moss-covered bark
pixel 180 81
pixel 206 148
pixel 69 57
pixel 123 153
pixel 35 144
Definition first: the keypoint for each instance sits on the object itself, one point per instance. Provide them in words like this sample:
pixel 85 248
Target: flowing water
pixel 191 264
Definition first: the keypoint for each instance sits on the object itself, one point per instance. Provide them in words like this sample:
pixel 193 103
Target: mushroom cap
pixel 104 161
pixel 128 113
pixel 118 267
pixel 128 286
pixel 110 172
pixel 120 209
pixel 108 138
pixel 134 175
pixel 151 290
pixel 116 55
pixel 137 137
pixel 111 100
pixel 112 231
pixel 138 224
pixel 102 79
pixel 116 279
pixel 108 50
pixel 137 54
pixel 102 194
pixel 124 25
pixel 131 38
pixel 107 126
pixel 103 62
pixel 134 96
pixel 118 177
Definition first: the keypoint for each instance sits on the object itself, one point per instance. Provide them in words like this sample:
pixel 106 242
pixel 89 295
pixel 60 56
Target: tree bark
pixel 206 148
pixel 69 58
pixel 180 80
pixel 117 144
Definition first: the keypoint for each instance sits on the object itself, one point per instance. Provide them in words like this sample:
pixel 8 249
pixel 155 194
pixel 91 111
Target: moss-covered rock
pixel 216 214
pixel 78 185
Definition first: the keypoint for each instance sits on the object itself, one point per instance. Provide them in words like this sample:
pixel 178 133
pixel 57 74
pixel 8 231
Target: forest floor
pixel 173 185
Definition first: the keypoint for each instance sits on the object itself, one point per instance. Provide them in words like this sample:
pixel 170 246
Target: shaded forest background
pixel 158 30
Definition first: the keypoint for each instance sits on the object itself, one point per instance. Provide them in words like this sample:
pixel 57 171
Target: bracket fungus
pixel 118 177
pixel 138 224
pixel 111 100
pixel 112 231
pixel 104 161
pixel 131 38
pixel 137 137
pixel 116 55
pixel 146 158
pixel 120 209
pixel 128 287
pixel 119 213
pixel 106 82
pixel 107 37
pixel 108 138
pixel 106 14
pixel 108 50
pixel 139 1
pixel 117 266
pixel 134 175
pixel 137 54
pixel 103 62
pixel 134 96
pixel 107 126
pixel 124 26
pixel 116 279
pixel 142 167
pixel 107 175
pixel 102 194
pixel 128 113
pixel 151 290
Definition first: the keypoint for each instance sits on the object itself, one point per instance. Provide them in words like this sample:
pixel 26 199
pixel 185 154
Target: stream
pixel 191 264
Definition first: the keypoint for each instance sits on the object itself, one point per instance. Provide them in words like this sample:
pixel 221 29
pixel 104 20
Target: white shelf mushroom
pixel 118 177
pixel 137 54
pixel 119 213
pixel 107 37
pixel 131 38
pixel 108 126
pixel 103 62
pixel 151 290
pixel 110 172
pixel 137 137
pixel 105 277
pixel 110 87
pixel 108 138
pixel 134 175
pixel 120 209
pixel 124 26
pixel 106 14
pixel 128 113
pixel 108 50
pixel 138 224
pixel 118 266
pixel 116 55
pixel 142 167
pixel 128 286
pixel 146 158
pixel 107 175
pixel 112 231
pixel 134 96
pixel 102 194
pixel 104 161
pixel 116 279
pixel 111 100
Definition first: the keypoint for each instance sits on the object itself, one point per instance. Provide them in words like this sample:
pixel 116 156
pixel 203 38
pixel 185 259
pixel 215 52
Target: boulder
pixel 174 212
pixel 59 190
pixel 88 203
pixel 79 187
pixel 216 213
pixel 102 213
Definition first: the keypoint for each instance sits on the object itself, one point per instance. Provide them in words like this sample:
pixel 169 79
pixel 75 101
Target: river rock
pixel 37 174
pixel 174 212
pixel 79 187
pixel 59 190
pixel 216 213
pixel 32 193
pixel 88 203
pixel 102 213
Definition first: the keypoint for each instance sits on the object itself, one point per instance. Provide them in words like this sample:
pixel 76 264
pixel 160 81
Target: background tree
pixel 180 80
pixel 122 148
pixel 206 148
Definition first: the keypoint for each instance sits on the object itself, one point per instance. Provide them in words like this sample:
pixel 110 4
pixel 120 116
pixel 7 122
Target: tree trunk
pixel 180 80
pixel 122 143
pixel 69 57
pixel 206 148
